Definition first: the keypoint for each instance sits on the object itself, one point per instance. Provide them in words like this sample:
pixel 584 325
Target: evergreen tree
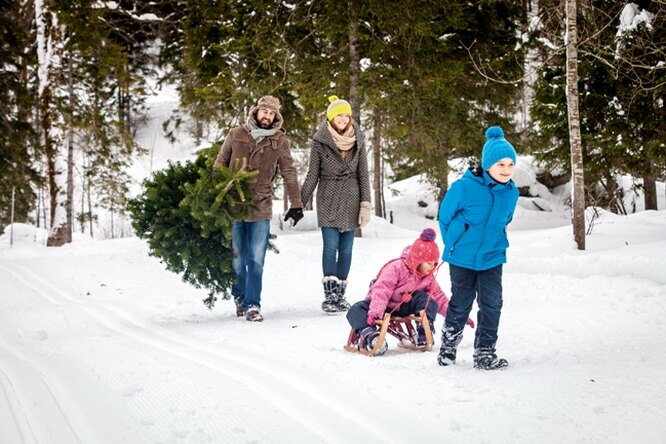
pixel 639 130
pixel 105 53
pixel 186 212
pixel 227 55
pixel 621 101
pixel 18 142
pixel 436 99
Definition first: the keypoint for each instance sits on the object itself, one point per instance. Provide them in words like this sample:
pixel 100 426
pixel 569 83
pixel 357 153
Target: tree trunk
pixel 377 162
pixel 70 154
pixel 443 183
pixel 650 192
pixel 577 170
pixel 354 61
pixel 90 212
pixel 354 69
pixel 82 219
pixel 48 50
pixel 60 230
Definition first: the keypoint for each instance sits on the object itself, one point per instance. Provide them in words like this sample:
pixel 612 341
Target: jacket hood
pixel 278 122
pixel 411 262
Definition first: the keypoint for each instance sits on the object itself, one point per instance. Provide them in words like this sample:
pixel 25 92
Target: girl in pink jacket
pixel 411 274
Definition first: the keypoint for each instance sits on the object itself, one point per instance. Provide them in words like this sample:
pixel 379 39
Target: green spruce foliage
pixel 621 85
pixel 186 212
pixel 18 139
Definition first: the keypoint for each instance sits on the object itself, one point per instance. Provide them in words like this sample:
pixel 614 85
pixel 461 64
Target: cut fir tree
pixel 186 212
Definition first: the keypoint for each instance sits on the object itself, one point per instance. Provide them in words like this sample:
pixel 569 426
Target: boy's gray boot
pixel 450 340
pixel 485 358
pixel 342 304
pixel 331 289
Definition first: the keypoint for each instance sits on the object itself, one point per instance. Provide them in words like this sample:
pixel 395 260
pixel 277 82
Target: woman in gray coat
pixel 339 170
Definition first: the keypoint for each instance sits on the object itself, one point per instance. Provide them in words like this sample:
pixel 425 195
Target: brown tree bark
pixel 377 182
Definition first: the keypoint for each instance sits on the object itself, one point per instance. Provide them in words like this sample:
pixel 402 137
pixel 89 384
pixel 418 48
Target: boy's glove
pixel 294 214
pixel 470 322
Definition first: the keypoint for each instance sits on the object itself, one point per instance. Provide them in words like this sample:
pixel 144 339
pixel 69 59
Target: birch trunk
pixel 577 170
pixel 47 54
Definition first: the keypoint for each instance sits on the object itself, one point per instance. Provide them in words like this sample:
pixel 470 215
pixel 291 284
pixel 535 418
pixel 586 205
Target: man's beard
pixel 265 123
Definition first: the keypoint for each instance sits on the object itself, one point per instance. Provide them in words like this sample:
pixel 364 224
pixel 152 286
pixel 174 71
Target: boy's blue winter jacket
pixel 473 217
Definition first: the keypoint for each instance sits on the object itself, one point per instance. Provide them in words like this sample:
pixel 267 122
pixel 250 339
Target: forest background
pixel 424 79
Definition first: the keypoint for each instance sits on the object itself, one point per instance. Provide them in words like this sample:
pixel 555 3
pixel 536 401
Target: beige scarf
pixel 344 141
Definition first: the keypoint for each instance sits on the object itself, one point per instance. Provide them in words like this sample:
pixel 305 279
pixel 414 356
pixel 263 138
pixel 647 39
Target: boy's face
pixel 502 171
pixel 426 267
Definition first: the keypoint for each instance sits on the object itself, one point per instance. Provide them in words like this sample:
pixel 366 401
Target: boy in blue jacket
pixel 472 218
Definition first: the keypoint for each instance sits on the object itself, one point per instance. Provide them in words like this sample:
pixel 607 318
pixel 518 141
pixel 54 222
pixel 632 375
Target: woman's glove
pixel 470 322
pixel 365 214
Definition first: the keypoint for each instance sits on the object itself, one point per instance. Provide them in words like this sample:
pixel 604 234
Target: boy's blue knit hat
pixel 496 148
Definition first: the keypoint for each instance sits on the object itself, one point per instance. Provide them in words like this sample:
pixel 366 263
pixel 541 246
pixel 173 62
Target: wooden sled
pixel 402 328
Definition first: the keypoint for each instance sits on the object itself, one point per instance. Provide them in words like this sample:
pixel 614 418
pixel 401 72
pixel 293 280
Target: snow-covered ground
pixel 99 344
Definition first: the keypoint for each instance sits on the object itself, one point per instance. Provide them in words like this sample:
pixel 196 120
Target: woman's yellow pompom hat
pixel 337 106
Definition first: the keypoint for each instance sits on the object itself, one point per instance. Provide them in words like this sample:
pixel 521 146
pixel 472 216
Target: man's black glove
pixel 294 214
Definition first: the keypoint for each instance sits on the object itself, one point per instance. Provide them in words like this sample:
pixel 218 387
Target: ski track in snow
pixel 291 394
pixel 20 424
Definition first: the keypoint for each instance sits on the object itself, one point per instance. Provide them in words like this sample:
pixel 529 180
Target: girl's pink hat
pixel 424 249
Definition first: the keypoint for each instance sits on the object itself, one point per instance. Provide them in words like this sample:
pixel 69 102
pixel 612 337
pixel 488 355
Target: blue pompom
pixel 494 132
pixel 428 234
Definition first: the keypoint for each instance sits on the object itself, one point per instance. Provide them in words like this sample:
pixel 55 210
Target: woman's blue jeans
pixel 337 254
pixel 249 241
pixel 486 287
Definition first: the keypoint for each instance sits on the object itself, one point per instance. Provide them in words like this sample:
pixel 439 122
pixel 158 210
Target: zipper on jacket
pixel 485 231
pixel 453 247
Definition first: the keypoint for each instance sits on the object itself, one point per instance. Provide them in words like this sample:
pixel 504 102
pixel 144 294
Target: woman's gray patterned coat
pixel 342 183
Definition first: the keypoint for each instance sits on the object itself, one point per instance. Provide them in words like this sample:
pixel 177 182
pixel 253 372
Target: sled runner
pixel 402 328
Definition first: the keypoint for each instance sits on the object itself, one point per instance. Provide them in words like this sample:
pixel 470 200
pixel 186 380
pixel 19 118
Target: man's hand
pixel 294 214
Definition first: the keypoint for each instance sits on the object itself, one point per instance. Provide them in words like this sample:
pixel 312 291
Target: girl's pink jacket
pixel 400 276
